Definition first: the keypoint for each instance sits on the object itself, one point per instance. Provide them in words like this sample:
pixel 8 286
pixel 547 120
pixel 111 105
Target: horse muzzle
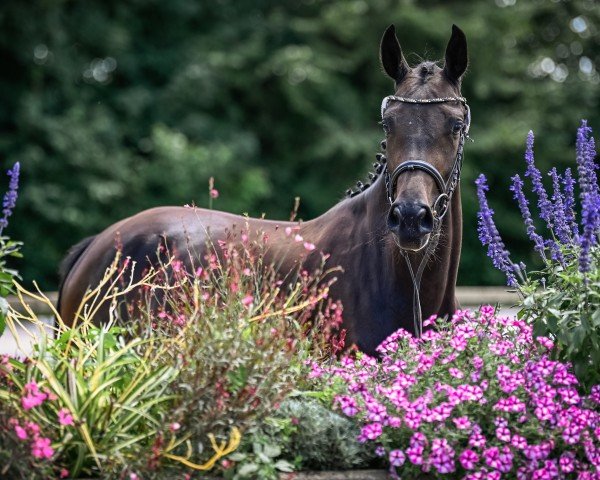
pixel 411 223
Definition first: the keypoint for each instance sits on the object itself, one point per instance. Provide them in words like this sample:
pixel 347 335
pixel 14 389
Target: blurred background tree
pixel 116 106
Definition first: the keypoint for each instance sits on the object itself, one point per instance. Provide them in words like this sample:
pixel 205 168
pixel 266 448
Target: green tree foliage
pixel 113 107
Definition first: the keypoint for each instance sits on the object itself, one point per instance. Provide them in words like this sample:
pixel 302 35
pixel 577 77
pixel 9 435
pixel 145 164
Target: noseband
pixel 442 202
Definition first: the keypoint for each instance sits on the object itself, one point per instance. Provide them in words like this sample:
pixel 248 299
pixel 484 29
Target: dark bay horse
pixel 378 235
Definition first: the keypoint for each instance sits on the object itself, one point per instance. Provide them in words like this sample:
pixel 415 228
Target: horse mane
pixel 378 167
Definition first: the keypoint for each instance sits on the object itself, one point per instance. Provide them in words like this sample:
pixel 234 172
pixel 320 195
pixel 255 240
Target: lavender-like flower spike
pixel 561 227
pixel 538 187
pixel 10 197
pixel 488 234
pixel 586 167
pixel 591 225
pixel 517 189
pixel 569 204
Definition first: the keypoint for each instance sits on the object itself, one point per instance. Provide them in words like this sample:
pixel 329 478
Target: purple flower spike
pixel 561 228
pixel 488 234
pixel 591 225
pixel 517 189
pixel 569 204
pixel 538 187
pixel 10 197
pixel 586 167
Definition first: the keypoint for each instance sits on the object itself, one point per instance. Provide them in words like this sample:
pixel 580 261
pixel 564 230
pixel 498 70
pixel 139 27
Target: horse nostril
pixel 394 218
pixel 425 221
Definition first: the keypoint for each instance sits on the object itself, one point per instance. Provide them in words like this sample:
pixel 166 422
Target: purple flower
pixel 536 179
pixel 397 458
pixel 517 189
pixel 591 221
pixel 561 226
pixel 10 197
pixel 569 203
pixel 468 459
pixel 488 234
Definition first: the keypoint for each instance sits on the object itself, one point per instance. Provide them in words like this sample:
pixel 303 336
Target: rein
pixel 441 203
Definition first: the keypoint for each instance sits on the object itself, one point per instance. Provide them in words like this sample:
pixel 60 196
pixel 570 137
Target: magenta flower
pixel 21 432
pixel 40 448
pixel 65 417
pixel 371 431
pixel 468 459
pixel 33 397
pixel 397 458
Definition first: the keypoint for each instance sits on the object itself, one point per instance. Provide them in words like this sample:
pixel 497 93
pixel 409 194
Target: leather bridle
pixel 440 206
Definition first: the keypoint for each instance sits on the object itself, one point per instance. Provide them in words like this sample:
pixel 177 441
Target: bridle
pixel 442 202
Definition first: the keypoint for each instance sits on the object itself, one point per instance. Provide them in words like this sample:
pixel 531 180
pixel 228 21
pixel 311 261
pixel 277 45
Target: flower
pixel 21 432
pixel 40 448
pixel 309 246
pixel 397 458
pixel 65 417
pixel 517 189
pixel 33 397
pixel 488 234
pixel 298 238
pixel 247 300
pixel 214 193
pixel 468 459
pixel 10 197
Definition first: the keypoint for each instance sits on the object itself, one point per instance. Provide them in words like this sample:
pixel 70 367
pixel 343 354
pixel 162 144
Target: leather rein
pixel 440 205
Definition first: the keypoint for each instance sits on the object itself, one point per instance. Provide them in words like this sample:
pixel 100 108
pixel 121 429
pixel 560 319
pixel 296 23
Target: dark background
pixel 116 106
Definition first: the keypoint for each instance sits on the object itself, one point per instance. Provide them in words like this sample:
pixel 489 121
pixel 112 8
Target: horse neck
pixel 368 211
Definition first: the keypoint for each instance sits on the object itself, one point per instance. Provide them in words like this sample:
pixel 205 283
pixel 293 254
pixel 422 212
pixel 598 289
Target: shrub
pixel 475 397
pixel 204 356
pixel 562 298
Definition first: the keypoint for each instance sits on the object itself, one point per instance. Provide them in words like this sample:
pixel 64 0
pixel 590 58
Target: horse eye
pixel 386 128
pixel 458 126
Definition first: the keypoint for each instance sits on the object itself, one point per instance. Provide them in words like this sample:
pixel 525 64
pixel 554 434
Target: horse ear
pixel 456 55
pixel 391 56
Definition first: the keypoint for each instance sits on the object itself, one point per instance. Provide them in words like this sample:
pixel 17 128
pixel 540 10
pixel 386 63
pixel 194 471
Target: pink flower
pixel 468 459
pixel 174 426
pixel 65 417
pixel 21 433
pixel 64 473
pixel 456 373
pixel 371 431
pixel 33 397
pixel 462 423
pixel 309 246
pixel 247 300
pixel 298 238
pixel 288 231
pixel 40 448
pixel 397 458
pixel 545 342
pixel 214 193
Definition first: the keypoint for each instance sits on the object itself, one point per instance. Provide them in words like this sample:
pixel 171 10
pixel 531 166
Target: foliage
pixel 112 107
pixel 8 248
pixel 562 298
pixel 303 433
pixel 205 355
pixel 476 397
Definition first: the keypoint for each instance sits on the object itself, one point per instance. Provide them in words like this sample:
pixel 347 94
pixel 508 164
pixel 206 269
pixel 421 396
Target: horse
pixel 407 219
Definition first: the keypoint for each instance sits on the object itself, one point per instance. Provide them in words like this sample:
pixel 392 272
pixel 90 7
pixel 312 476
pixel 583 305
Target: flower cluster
pixel 10 197
pixel 476 397
pixel 29 431
pixel 557 211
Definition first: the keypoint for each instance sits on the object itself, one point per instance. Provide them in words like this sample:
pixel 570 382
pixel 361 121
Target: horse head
pixel 425 123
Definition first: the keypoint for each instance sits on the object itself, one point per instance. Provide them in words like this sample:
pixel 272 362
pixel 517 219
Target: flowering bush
pixel 562 298
pixel 205 355
pixel 476 397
